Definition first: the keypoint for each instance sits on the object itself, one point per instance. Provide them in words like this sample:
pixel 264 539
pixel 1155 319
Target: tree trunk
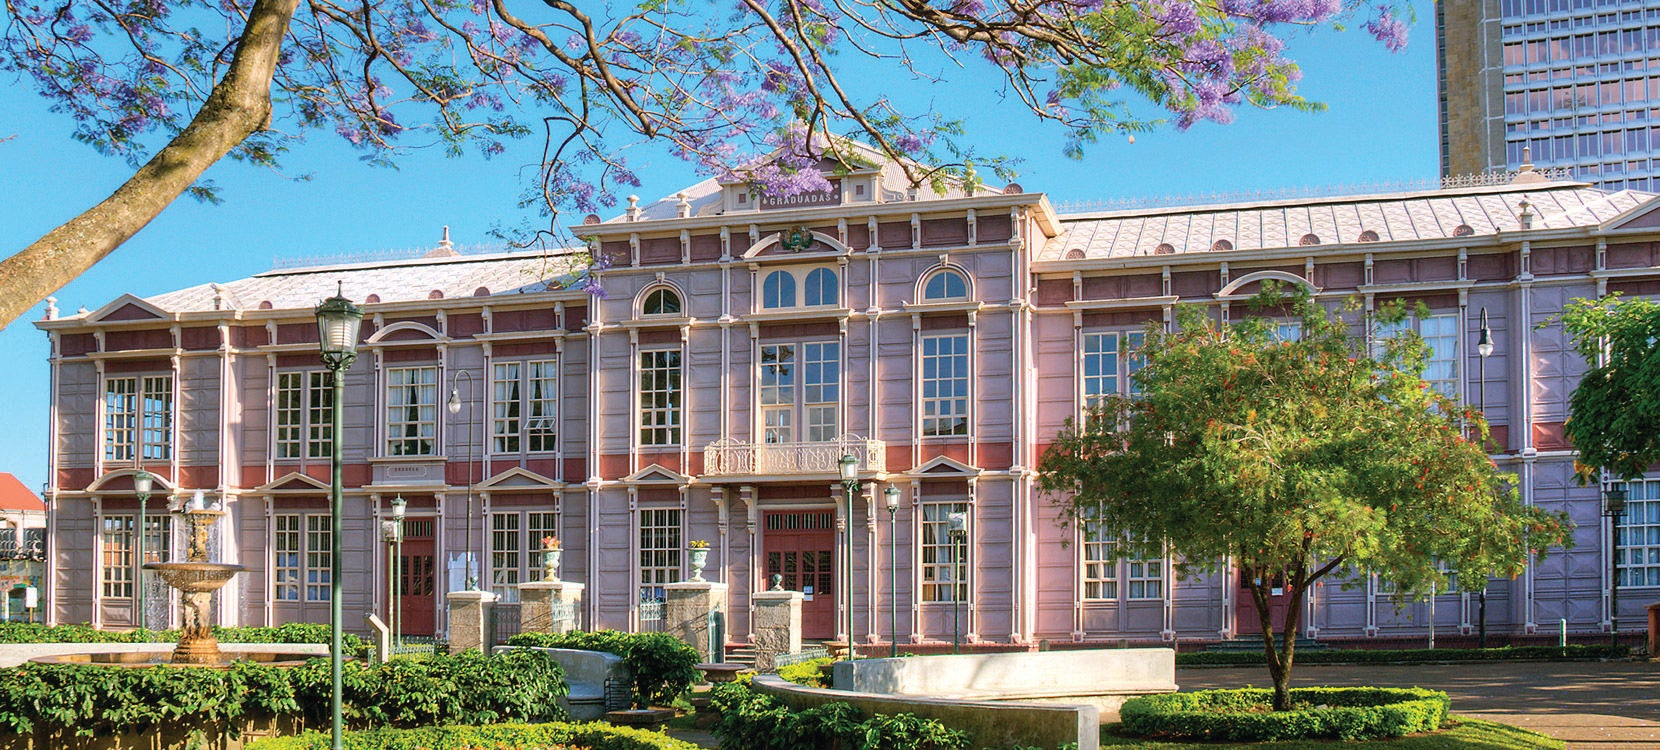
pixel 238 106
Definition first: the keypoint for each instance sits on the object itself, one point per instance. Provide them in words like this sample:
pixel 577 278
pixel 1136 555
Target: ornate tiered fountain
pixel 196 579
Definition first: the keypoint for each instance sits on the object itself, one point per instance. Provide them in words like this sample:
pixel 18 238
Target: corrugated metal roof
pixel 1399 217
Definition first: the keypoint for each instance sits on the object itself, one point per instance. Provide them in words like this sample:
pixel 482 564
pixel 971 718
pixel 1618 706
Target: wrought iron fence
pixel 804 655
pixel 504 622
pixel 562 616
pixel 651 615
pixel 418 645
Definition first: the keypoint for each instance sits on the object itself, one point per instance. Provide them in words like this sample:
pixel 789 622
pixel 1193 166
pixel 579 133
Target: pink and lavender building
pixel 744 345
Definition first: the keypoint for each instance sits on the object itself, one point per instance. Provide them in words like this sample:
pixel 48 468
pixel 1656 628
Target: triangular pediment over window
pixel 656 474
pixel 127 307
pixel 943 466
pixel 294 482
pixel 516 478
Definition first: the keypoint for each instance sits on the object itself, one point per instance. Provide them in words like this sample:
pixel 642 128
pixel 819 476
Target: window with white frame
pixel 515 544
pixel 1110 359
pixel 944 571
pixel 819 287
pixel 945 285
pixel 522 414
pixel 1637 539
pixel 945 385
pixel 305 412
pixel 1440 335
pixel 661 301
pixel 1144 577
pixel 814 405
pixel 1100 570
pixel 117 548
pixel 138 416
pixel 660 545
pixel 411 411
pixel 300 569
pixel 660 397
pixel 1134 360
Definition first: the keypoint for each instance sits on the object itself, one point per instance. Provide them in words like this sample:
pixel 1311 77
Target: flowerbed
pixel 553 736
pixel 752 721
pixel 663 666
pixel 1244 715
pixel 20 632
pixel 1409 656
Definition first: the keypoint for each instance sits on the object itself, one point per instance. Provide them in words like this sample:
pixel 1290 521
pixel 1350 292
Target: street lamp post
pixel 338 323
pixel 890 497
pixel 1484 347
pixel 850 483
pixel 394 573
pixel 957 523
pixel 455 408
pixel 1613 506
pixel 142 484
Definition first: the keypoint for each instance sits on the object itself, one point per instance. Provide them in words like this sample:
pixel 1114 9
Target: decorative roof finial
pixel 633 208
pixel 51 309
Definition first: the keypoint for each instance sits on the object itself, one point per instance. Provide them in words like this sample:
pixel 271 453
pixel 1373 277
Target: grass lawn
pixel 1457 734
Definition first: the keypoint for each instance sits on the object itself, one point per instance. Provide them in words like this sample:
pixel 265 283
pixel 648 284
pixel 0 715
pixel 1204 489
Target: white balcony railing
pixel 735 458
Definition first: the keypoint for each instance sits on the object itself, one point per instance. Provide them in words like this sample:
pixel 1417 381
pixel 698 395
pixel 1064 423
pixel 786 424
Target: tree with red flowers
pixel 199 80
pixel 1295 458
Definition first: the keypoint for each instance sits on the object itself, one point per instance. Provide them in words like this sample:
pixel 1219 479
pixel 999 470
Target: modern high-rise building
pixel 1576 82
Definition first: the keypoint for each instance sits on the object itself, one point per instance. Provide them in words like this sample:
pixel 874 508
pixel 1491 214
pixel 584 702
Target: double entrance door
pixel 417 559
pixel 800 546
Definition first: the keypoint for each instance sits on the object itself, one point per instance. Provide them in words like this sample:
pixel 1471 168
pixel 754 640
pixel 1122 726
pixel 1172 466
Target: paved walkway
pixel 1596 705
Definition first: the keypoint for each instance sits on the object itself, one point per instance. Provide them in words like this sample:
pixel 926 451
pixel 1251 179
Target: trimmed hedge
pixel 586 736
pixel 806 673
pixel 89 700
pixel 663 666
pixel 752 721
pixel 1410 656
pixel 1322 713
pixel 24 632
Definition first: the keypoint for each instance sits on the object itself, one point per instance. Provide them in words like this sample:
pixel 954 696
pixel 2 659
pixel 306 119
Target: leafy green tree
pixel 1614 418
pixel 1294 452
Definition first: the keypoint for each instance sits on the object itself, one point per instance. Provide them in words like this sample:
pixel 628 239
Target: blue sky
pixel 1380 127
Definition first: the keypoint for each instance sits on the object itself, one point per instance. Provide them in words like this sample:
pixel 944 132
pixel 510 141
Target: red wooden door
pixel 1246 620
pixel 800 545
pixel 417 600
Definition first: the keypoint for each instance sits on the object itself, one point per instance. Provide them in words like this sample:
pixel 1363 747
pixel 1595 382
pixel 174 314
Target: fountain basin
pixel 195 577
pixel 142 659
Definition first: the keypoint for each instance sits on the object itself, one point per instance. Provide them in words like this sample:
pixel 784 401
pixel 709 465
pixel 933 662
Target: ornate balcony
pixel 734 458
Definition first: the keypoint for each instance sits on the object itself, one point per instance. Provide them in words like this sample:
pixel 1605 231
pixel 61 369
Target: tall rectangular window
pixel 1637 540
pixel 1100 571
pixel 318 557
pixel 505 553
pixel 1100 367
pixel 411 411
pixel 1134 360
pixel 117 545
pixel 1440 334
pixel 660 397
pixel 944 576
pixel 945 385
pixel 815 405
pixel 522 406
pixel 660 546
pixel 287 544
pixel 305 413
pixel 138 416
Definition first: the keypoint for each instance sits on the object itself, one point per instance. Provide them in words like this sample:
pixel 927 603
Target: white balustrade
pixel 736 458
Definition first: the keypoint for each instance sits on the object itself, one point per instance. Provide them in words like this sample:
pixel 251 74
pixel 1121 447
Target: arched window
pixel 821 288
pixel 662 302
pixel 778 290
pixel 945 285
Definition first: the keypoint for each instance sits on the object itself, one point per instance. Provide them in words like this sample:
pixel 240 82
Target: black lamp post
pixel 338 323
pixel 142 484
pixel 1613 506
pixel 1484 347
pixel 455 408
pixel 890 497
pixel 849 466
pixel 957 523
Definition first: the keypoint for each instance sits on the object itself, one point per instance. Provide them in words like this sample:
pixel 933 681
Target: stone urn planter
pixel 700 558
pixel 552 556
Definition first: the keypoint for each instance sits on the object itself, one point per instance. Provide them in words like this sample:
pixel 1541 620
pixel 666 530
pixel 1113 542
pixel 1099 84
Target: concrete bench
pixel 599 683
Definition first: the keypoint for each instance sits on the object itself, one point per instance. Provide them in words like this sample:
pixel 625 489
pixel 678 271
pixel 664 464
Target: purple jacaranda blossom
pixel 1388 28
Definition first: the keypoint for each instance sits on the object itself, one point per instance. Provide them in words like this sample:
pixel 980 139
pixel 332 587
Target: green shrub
pixel 1320 713
pixel 663 667
pixel 752 721
pixel 1409 656
pixel 589 736
pixel 23 632
pixel 102 700
pixel 806 673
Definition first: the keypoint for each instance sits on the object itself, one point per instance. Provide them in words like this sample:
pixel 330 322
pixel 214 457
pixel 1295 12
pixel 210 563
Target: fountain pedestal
pixel 196 579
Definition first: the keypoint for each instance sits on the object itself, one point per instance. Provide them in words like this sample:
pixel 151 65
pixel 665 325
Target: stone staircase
pixel 740 654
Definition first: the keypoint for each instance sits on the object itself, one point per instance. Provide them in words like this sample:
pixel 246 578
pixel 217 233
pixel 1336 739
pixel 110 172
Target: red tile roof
pixel 14 496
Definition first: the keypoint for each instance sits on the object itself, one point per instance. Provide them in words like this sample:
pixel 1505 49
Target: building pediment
pixel 127 307
pixel 943 466
pixel 656 474
pixel 518 477
pixel 121 480
pixel 294 482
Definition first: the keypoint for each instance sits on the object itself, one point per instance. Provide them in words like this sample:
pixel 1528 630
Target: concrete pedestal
pixel 538 600
pixel 469 613
pixel 777 626
pixel 686 612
